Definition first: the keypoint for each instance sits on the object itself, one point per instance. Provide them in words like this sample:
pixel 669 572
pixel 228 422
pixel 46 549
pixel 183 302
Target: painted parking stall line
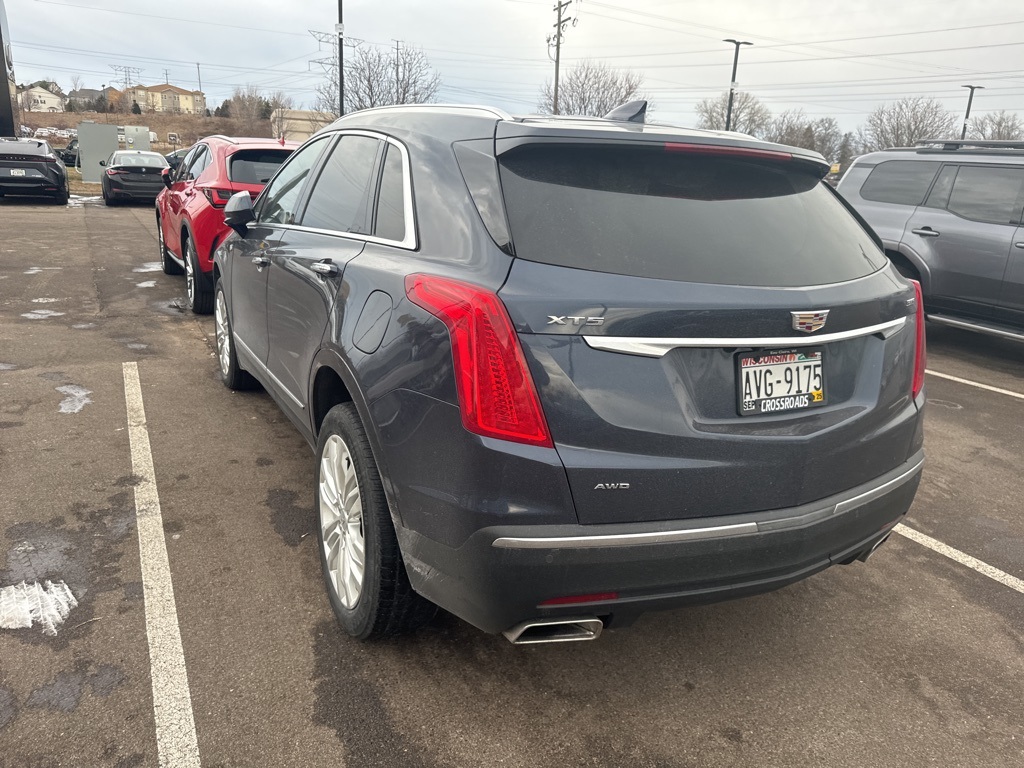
pixel 961 557
pixel 979 385
pixel 177 745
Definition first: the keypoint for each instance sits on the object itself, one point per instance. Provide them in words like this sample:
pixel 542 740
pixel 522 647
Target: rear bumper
pixel 501 575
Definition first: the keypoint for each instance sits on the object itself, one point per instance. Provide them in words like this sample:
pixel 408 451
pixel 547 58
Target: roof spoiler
pixel 630 112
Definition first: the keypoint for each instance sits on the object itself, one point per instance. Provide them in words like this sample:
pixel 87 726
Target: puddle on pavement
pixel 41 314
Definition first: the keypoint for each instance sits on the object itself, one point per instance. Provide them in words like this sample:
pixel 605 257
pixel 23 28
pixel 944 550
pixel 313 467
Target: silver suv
pixel 949 215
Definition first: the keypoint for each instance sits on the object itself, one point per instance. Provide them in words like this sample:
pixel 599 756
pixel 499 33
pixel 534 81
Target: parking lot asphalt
pixel 910 659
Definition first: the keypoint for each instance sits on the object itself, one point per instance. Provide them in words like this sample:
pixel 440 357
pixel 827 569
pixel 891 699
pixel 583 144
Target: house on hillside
pixel 168 98
pixel 38 99
pixel 83 97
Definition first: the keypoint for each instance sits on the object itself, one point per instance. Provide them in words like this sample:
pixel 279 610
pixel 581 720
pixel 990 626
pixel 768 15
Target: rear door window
pixel 389 221
pixel 650 212
pixel 904 182
pixel 987 194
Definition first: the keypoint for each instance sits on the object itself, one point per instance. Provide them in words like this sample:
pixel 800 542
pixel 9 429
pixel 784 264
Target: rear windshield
pixel 255 166
pixel 139 161
pixel 650 212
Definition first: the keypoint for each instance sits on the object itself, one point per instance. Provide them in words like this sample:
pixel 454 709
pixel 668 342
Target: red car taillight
pixel 218 197
pixel 115 171
pixel 920 354
pixel 497 396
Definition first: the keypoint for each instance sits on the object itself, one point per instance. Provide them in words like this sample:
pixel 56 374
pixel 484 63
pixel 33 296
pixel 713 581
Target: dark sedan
pixel 132 175
pixel 32 167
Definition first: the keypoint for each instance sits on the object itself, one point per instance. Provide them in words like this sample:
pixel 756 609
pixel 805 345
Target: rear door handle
pixel 324 268
pixel 925 232
pixel 1018 245
pixel 260 261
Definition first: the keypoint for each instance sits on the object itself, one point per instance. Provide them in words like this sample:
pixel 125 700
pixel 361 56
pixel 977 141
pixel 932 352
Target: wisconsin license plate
pixel 775 382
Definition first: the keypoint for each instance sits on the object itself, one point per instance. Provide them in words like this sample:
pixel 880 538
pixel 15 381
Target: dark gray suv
pixel 558 372
pixel 949 215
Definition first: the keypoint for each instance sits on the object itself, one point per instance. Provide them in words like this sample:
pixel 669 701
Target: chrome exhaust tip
pixel 559 630
pixel 865 555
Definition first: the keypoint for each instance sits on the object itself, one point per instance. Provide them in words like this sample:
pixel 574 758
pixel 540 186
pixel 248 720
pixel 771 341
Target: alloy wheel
pixel 223 332
pixel 341 521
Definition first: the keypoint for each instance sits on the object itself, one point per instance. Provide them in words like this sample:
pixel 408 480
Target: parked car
pixel 174 158
pixel 191 225
pixel 32 167
pixel 132 174
pixel 561 371
pixel 949 215
pixel 70 153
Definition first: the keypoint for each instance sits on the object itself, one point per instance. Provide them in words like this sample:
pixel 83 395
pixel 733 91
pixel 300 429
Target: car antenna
pixel 631 112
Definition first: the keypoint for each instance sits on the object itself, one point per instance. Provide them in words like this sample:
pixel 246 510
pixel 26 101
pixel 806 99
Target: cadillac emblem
pixel 809 322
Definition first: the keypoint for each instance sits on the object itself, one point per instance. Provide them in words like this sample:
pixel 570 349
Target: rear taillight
pixel 218 197
pixel 920 354
pixel 497 396
pixel 115 171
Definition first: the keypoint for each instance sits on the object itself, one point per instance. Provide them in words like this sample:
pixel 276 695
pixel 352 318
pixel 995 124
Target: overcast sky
pixel 828 58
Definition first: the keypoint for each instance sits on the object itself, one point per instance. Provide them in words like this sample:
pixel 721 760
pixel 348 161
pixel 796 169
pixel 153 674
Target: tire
pixel 62 197
pixel 198 292
pixel 170 266
pixel 231 373
pixel 107 199
pixel 382 603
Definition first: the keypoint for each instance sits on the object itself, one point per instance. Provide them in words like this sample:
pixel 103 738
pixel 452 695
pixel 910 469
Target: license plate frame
pixel 801 361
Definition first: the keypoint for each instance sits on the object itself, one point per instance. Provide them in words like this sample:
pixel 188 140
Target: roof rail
pixel 228 139
pixel 952 145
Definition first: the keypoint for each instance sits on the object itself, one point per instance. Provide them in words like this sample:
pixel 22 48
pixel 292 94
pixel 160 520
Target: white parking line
pixel 970 383
pixel 177 746
pixel 964 559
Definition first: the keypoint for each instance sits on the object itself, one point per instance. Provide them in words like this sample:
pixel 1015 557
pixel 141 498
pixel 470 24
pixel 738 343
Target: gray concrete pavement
pixel 907 660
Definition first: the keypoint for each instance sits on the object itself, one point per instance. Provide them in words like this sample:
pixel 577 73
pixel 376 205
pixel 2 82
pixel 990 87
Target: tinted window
pixel 148 160
pixel 277 206
pixel 389 222
pixel 987 194
pixel 339 197
pixel 196 163
pixel 255 166
pixel 680 216
pixel 899 181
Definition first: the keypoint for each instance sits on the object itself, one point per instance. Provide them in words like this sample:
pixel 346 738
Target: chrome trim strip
pixel 878 492
pixel 941 320
pixel 655 347
pixel 625 539
pixel 264 370
pixel 696 534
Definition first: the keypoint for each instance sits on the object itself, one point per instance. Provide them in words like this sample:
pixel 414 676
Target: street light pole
pixel 970 100
pixel 732 81
pixel 340 29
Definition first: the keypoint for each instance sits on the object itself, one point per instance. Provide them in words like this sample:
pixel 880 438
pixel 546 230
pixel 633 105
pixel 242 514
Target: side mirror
pixel 103 163
pixel 165 175
pixel 238 212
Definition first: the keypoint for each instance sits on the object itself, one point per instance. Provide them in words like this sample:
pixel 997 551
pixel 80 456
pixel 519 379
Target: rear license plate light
pixel 779 381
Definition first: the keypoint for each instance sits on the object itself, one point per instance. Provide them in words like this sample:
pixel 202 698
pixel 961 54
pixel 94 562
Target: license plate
pixel 17 171
pixel 779 381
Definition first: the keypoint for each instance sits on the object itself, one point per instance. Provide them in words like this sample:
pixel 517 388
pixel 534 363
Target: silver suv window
pixel 992 195
pixel 903 182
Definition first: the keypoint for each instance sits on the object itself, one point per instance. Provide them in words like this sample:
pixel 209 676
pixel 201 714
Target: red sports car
pixel 189 212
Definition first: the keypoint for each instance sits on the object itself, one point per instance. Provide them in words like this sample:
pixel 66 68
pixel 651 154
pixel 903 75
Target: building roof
pixel 167 87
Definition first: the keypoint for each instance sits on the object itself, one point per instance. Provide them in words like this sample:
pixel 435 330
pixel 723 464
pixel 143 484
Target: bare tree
pixel 592 88
pixel 76 82
pixel 749 115
pixel 905 122
pixel 376 77
pixel 789 127
pixel 997 126
pixel 247 107
pixel 828 138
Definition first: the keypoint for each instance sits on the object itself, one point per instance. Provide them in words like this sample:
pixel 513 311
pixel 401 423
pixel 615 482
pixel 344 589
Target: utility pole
pixel 732 81
pixel 340 29
pixel 126 73
pixel 167 77
pixel 557 40
pixel 398 80
pixel 970 100
pixel 199 76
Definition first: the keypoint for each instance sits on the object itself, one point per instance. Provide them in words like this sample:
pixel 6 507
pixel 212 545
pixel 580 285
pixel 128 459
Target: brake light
pixel 218 197
pixel 115 171
pixel 718 149
pixel 497 396
pixel 920 353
